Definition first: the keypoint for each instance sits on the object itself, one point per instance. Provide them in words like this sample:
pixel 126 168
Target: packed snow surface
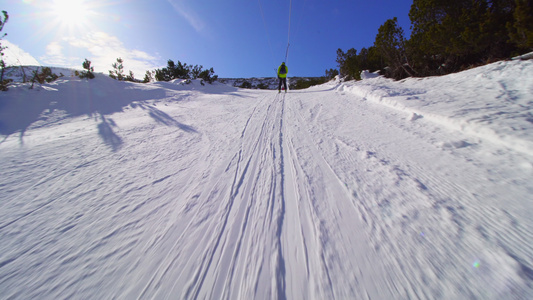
pixel 417 189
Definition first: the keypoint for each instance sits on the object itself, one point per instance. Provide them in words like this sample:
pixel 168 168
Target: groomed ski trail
pixel 243 194
pixel 265 230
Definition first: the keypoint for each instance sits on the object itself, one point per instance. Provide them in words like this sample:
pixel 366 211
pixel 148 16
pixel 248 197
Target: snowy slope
pixel 419 189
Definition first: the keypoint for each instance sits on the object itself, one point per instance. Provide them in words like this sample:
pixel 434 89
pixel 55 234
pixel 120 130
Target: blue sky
pixel 231 36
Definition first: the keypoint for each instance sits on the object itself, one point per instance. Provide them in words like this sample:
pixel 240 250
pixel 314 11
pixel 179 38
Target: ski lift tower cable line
pixel 289 34
pixel 266 31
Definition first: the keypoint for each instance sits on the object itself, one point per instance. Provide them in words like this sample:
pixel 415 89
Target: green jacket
pixel 283 75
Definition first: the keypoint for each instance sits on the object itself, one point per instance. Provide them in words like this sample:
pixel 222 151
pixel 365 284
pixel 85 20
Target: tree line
pixel 446 37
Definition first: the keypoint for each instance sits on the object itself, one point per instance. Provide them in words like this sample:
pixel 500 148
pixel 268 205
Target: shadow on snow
pixel 99 97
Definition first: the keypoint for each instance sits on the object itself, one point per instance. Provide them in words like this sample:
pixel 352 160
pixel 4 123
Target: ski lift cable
pixel 289 34
pixel 266 30
pixel 268 36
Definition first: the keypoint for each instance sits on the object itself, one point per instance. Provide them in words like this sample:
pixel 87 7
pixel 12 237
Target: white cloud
pixel 54 55
pixel 194 20
pixel 54 49
pixel 14 56
pixel 100 48
pixel 104 50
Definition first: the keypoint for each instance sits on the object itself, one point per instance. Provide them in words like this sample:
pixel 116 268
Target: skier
pixel 282 75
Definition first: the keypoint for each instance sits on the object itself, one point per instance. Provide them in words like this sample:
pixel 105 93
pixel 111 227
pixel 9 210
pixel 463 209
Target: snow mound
pixel 492 102
pixel 368 75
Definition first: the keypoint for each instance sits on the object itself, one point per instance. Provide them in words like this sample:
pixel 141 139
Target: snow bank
pixel 492 102
pixel 368 75
pixel 525 56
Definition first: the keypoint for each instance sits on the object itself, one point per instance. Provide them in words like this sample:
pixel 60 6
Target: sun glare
pixel 70 13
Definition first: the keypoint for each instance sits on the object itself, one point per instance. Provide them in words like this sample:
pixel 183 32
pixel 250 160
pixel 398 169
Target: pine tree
pixel 348 64
pixel 172 71
pixel 180 71
pixel 45 75
pixel 183 71
pixel 331 73
pixel 194 72
pixel 390 42
pixel 88 73
pixel 130 77
pixel 118 70
pixel 148 77
pixel 370 59
pixel 448 36
pixel 208 75
pixel 521 29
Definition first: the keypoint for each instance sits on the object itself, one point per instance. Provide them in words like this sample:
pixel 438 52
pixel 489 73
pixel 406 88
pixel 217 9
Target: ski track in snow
pixel 314 194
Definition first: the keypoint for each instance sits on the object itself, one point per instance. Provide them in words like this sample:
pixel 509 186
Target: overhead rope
pixel 289 34
pixel 268 36
pixel 266 30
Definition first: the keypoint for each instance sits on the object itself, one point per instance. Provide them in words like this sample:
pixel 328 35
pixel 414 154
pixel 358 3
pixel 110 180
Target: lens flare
pixel 476 264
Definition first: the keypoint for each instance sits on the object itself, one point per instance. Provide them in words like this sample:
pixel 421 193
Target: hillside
pixel 377 189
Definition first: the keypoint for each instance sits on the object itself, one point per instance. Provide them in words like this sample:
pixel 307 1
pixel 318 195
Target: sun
pixel 70 14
